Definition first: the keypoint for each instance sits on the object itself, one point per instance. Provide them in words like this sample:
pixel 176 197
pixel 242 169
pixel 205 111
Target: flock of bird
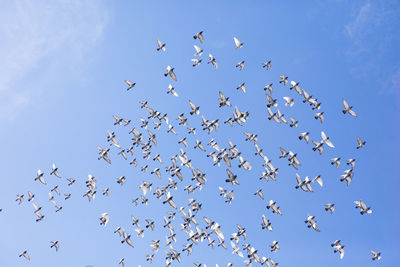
pixel 203 229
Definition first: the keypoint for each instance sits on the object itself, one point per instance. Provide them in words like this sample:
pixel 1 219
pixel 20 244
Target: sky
pixel 62 78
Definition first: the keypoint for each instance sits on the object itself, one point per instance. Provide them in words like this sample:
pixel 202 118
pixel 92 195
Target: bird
pixel 40 177
pixel 295 86
pixel 196 62
pixel 223 100
pixel 104 219
pixel 330 207
pixel 25 255
pixel 170 72
pixel 312 223
pixel 360 142
pixel 199 36
pixel 54 244
pixel 160 46
pixel 195 110
pixel 375 255
pixel 130 84
pixel 171 90
pixel 199 51
pixel 320 116
pixel 326 139
pixel 238 44
pixel 284 79
pixel 348 109
pixel 335 161
pixel 305 136
pixel 241 87
pixel 363 207
pixel 212 60
pixel 289 101
pixel 269 88
pixel 240 65
pixel 267 65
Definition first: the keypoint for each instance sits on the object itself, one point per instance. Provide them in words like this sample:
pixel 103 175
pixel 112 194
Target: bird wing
pixel 352 113
pixel 345 104
pixel 237 42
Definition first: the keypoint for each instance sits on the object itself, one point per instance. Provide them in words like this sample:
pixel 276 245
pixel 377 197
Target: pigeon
pixel 171 90
pixel 25 255
pixel 330 207
pixel 335 161
pixel 170 72
pixel 160 46
pixel 363 207
pixel 240 65
pixel 348 109
pixel 269 88
pixel 241 87
pixel 212 61
pixel 267 65
pixel 104 219
pixel 54 244
pixel 238 44
pixel 360 142
pixel 376 255
pixel 199 36
pixel 130 84
pixel 284 79
pixel 55 171
pixel 196 62
pixel 199 51
pixel 326 140
pixel 289 101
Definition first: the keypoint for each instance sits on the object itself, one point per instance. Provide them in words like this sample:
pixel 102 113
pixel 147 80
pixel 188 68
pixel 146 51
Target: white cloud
pixel 34 30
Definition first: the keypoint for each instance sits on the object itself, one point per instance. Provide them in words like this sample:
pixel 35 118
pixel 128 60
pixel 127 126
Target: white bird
pixel 335 161
pixel 54 244
pixel 376 255
pixel 348 109
pixel 160 45
pixel 296 87
pixel 170 72
pixel 171 90
pixel 238 44
pixel 363 207
pixel 55 171
pixel 241 87
pixel 289 101
pixel 40 177
pixel 267 65
pixel 223 100
pixel 240 65
pixel 318 179
pixel 360 142
pixel 130 84
pixel 269 88
pixel 25 255
pixel 284 79
pixel 330 207
pixel 196 62
pixel 212 60
pixel 320 116
pixel 199 36
pixel 104 219
pixel 199 51
pixel 195 110
pixel 326 140
pixel 305 136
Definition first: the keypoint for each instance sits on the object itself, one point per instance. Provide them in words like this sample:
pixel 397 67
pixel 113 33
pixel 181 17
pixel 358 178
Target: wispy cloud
pixel 34 30
pixel 373 32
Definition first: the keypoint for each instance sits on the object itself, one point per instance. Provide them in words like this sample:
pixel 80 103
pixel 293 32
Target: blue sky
pixel 63 67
